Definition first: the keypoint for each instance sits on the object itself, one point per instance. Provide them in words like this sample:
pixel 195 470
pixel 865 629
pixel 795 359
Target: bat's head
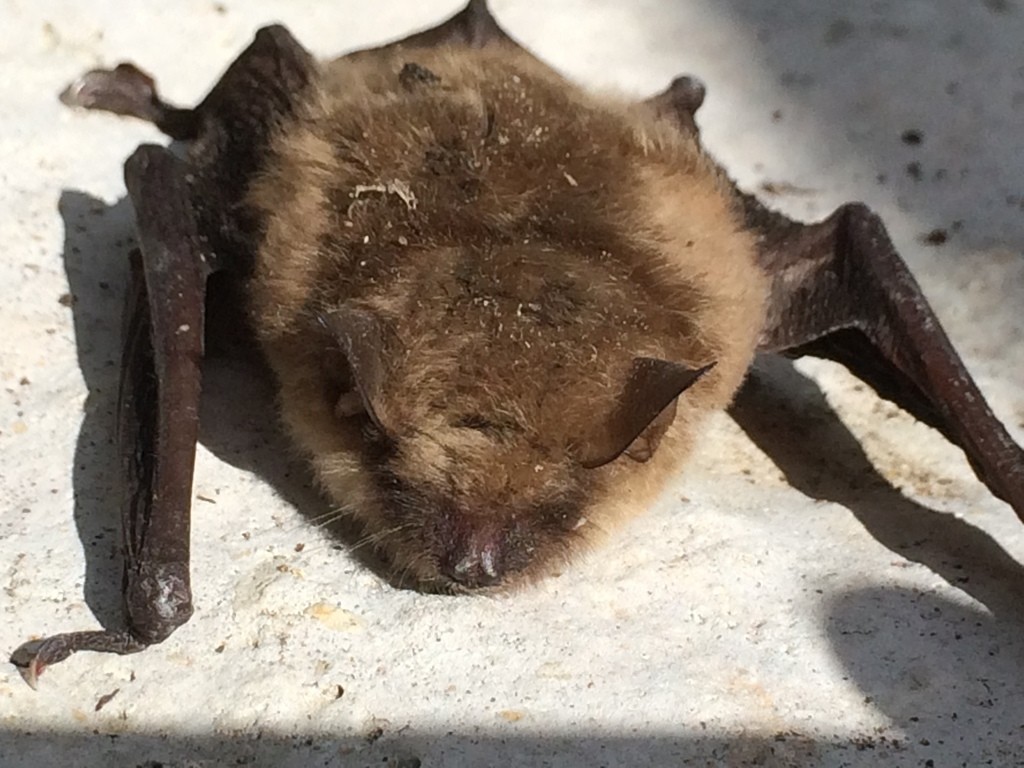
pixel 473 425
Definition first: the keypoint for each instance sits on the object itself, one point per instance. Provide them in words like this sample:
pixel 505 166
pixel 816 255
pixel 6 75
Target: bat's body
pixel 513 246
pixel 496 306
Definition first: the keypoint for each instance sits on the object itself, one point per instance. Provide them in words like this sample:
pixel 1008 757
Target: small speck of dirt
pixel 914 170
pixel 937 236
pixel 105 699
pixel 66 300
pixel 912 136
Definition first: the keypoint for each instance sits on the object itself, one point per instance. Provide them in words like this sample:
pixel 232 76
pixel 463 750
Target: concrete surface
pixel 858 604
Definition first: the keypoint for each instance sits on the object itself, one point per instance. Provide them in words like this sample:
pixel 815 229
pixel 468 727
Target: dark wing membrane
pixel 190 221
pixel 158 417
pixel 839 290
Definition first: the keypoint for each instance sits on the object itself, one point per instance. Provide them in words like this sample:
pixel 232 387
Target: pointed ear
pixel 647 402
pixel 360 336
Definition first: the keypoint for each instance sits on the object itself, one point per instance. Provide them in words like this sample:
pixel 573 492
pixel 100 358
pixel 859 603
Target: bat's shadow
pixel 785 413
pixel 939 669
pixel 238 415
pixel 97 239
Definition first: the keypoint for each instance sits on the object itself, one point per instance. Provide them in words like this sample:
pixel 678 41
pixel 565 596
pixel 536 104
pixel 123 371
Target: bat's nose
pixel 477 567
pixel 477 556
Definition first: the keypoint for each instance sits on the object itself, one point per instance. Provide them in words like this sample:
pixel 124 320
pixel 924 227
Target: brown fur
pixel 520 242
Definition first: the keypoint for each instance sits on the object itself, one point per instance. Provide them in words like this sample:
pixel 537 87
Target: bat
pixel 497 308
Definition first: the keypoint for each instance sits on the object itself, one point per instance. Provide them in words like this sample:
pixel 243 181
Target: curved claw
pixel 32 658
pixel 29 665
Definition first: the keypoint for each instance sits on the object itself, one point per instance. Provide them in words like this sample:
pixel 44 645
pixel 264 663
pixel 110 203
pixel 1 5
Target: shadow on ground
pixel 412 750
pixel 786 415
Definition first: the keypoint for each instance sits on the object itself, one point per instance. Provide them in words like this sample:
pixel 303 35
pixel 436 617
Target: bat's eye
pixel 567 519
pixel 474 421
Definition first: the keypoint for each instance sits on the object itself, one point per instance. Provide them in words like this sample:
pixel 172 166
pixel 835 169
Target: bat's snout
pixel 479 553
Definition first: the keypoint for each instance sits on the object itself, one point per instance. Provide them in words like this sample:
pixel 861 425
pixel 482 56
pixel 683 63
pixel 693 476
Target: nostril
pixel 487 562
pixel 475 559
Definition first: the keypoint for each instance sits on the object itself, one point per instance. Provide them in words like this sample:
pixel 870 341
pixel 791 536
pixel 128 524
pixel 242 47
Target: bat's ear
pixel 643 412
pixel 361 338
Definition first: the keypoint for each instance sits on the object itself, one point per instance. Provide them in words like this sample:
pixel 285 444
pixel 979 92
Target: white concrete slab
pixel 858 606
